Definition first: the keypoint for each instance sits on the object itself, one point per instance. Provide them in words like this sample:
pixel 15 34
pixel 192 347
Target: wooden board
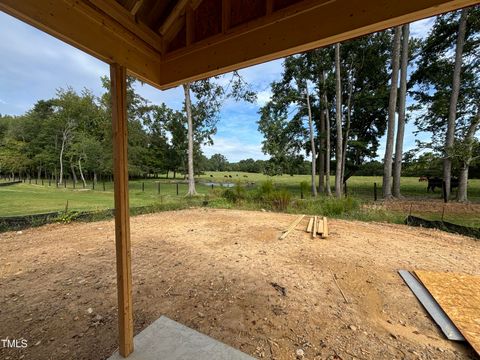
pixel 459 296
pixel 118 76
pixel 315 224
pixel 292 226
pixel 320 226
pixel 310 225
pixel 432 307
pixel 325 228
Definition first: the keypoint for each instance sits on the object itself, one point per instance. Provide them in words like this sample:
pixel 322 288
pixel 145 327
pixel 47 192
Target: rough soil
pixel 431 205
pixel 213 270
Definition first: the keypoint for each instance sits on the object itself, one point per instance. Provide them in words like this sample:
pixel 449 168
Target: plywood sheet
pixel 459 296
pixel 432 307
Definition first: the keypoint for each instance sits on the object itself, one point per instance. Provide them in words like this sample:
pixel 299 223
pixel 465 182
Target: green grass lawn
pixel 30 198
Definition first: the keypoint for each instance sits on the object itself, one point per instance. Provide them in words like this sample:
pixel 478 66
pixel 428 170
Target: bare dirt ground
pixel 430 205
pixel 213 270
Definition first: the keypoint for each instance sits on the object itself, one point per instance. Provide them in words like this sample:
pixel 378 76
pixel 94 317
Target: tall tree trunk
pixel 81 172
pixel 321 153
pixel 397 164
pixel 328 189
pixel 347 126
pixel 72 168
pixel 392 103
pixel 62 149
pixel 452 111
pixel 468 141
pixel 191 176
pixel 338 102
pixel 312 142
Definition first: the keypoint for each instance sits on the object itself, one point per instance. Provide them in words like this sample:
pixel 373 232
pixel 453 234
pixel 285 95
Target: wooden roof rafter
pixel 168 42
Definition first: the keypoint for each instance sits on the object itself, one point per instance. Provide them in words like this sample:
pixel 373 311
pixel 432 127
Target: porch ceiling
pixel 168 42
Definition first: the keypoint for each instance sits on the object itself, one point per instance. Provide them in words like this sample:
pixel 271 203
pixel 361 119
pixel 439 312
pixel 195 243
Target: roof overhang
pixel 184 40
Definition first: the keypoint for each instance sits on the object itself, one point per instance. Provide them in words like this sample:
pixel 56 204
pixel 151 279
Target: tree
pixel 452 112
pixel 464 152
pixel 338 117
pixel 397 165
pixel 202 117
pixel 441 78
pixel 188 108
pixel 218 162
pixel 387 161
pixel 328 188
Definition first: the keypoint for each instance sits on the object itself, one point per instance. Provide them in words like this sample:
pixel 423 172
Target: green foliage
pixel 67 216
pixel 304 187
pixel 279 199
pixel 265 189
pixel 431 82
pixel 236 194
pixel 329 206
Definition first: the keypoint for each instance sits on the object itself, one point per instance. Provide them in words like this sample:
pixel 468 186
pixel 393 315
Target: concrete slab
pixel 166 339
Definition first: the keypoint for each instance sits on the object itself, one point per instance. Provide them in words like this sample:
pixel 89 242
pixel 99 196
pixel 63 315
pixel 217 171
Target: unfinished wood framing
pixel 86 27
pixel 169 42
pixel 118 78
pixel 296 28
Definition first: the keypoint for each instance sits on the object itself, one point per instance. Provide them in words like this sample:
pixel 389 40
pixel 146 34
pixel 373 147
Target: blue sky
pixel 33 65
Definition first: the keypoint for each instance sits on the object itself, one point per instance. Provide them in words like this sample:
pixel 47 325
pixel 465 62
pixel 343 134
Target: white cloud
pixel 263 97
pixel 421 28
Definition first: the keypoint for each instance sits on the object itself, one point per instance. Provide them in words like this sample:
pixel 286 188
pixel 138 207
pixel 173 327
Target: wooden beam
pixel 226 14
pixel 136 7
pixel 178 10
pixel 292 226
pixel 80 24
pixel 269 4
pixel 118 78
pixel 292 30
pixel 190 26
pixel 125 18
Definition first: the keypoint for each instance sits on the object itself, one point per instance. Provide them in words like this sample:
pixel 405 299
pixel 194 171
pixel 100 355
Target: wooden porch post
pixel 118 78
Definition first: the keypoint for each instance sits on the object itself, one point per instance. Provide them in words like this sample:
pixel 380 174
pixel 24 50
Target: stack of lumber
pixel 318 226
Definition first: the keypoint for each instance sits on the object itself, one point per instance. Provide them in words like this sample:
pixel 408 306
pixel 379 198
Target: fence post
pixel 375 191
pixel 74 184
pixel 143 187
pixel 212 186
pixel 177 188
pixel 93 185
pixel 158 188
pixel 65 184
pixel 103 184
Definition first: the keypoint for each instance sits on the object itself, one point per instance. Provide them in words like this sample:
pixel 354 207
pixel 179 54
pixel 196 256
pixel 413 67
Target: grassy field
pixel 31 198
